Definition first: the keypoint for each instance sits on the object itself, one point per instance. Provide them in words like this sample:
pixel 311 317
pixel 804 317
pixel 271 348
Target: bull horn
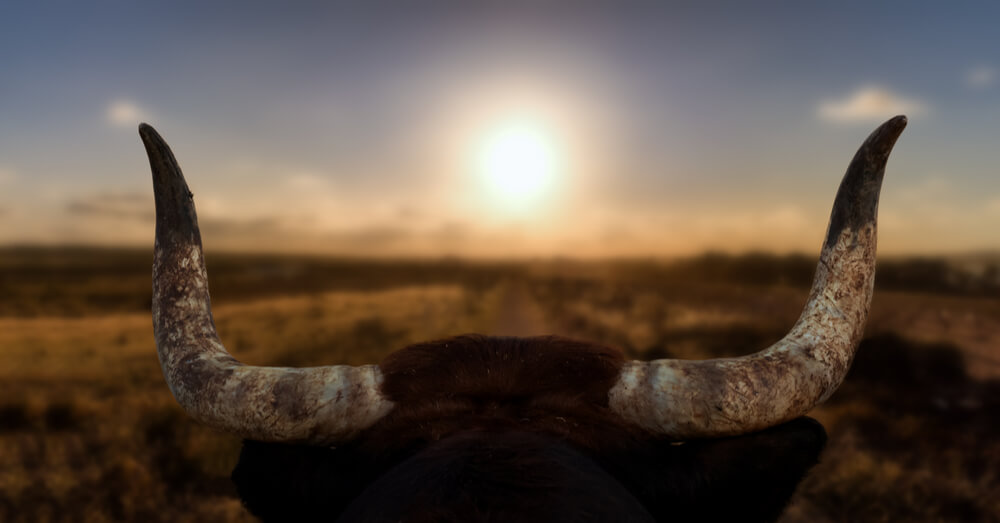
pixel 319 405
pixel 730 396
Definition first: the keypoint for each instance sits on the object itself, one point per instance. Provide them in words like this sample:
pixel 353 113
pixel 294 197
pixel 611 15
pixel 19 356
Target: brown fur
pixel 518 429
pixel 545 384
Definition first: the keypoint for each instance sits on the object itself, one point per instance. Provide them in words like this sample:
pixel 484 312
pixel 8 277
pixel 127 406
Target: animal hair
pixel 518 429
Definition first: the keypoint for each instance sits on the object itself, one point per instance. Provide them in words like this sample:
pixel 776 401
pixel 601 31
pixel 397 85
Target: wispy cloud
pixel 131 206
pixel 981 77
pixel 994 205
pixel 867 104
pixel 125 113
pixel 308 181
pixel 251 230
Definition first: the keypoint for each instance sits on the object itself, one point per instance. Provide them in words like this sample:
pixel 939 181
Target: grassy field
pixel 89 431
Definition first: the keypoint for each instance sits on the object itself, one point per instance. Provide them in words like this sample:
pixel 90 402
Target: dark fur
pixel 518 429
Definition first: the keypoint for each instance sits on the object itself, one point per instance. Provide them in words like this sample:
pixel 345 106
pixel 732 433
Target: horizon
pixel 499 132
pixel 985 256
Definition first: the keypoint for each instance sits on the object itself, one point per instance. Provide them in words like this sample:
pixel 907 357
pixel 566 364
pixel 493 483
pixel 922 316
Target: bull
pixel 484 428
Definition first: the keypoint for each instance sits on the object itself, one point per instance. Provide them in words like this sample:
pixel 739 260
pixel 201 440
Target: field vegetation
pixel 89 431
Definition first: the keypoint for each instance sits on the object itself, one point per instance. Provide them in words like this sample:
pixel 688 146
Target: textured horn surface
pixel 729 396
pixel 319 405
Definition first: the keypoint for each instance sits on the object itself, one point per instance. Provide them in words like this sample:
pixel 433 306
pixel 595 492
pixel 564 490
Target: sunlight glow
pixel 519 161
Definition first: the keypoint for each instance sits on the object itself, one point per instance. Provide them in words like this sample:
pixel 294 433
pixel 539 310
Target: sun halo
pixel 519 162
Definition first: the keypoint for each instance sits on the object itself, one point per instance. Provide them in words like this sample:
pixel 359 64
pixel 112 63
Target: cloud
pixel 929 189
pixel 372 237
pixel 308 181
pixel 139 208
pixel 254 229
pixel 125 113
pixel 128 206
pixel 869 104
pixel 993 205
pixel 981 77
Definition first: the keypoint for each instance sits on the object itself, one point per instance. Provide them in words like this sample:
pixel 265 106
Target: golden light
pixel 519 161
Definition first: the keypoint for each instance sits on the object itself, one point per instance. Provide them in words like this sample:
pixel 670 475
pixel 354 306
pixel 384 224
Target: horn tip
pixel 887 133
pixel 897 123
pixel 150 138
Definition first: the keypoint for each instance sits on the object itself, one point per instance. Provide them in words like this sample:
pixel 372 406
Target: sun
pixel 518 159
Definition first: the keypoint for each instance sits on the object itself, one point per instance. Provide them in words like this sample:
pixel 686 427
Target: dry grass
pixel 89 431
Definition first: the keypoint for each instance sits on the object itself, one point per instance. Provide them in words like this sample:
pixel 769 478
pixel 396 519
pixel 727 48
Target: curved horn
pixel 729 396
pixel 320 405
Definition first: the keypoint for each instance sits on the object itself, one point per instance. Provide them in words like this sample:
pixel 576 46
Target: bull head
pixel 677 399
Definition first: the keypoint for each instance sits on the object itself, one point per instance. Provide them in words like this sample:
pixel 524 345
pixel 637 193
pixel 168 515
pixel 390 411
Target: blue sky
pixel 349 128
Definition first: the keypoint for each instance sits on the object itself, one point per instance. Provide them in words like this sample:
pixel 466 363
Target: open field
pixel 89 431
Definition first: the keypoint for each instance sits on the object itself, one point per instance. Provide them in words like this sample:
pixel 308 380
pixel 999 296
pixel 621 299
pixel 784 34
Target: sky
pixel 517 129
